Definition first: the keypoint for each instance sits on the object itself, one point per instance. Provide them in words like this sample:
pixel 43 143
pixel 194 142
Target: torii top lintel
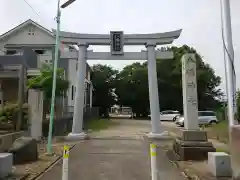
pixel 129 39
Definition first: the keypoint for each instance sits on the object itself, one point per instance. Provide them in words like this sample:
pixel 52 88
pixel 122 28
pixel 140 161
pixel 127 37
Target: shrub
pixel 9 114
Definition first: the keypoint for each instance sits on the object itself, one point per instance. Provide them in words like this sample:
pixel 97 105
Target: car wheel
pixel 174 119
pixel 213 122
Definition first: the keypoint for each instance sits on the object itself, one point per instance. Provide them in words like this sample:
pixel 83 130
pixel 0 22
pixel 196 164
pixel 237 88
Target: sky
pixel 199 19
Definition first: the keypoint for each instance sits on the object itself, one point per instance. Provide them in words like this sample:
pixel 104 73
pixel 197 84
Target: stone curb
pixel 10 177
pixel 24 177
pixel 183 172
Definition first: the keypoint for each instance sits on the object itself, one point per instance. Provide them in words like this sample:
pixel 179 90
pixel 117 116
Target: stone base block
pixel 219 164
pixel 6 162
pixel 193 146
pixel 76 136
pixel 193 135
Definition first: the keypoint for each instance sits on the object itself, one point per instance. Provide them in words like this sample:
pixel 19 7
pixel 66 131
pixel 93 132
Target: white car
pixel 168 115
pixel 204 117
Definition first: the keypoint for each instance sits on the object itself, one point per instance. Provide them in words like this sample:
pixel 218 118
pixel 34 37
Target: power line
pixel 34 11
pixel 40 17
pixel 31 8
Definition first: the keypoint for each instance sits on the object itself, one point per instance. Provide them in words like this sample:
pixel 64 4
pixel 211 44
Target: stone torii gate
pixel 117 40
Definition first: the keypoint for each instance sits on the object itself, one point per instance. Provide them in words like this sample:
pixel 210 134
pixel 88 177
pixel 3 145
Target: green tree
pixel 103 79
pixel 170 81
pixel 44 82
pixel 132 87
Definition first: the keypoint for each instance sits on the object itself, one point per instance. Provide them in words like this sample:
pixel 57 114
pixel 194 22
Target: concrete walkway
pixel 114 154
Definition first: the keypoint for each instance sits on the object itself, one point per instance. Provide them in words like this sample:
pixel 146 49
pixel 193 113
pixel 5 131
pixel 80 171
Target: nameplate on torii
pixel 117 43
pixel 91 55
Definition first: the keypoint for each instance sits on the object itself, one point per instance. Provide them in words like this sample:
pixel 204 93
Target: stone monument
pixel 193 143
pixel 35 101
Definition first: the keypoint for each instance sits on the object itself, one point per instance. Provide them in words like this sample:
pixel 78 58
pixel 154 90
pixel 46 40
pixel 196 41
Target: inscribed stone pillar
pixel 193 143
pixel 189 88
pixel 35 102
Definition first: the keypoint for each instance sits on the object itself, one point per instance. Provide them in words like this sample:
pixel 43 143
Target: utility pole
pixel 229 52
pixel 49 145
pixel 56 56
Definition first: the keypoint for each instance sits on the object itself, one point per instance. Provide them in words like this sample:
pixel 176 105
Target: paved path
pixel 114 154
pixel 126 128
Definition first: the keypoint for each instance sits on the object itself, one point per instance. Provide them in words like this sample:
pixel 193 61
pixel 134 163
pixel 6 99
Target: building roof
pixel 25 23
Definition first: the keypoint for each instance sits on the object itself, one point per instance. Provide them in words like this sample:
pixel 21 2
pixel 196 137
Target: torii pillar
pixel 77 127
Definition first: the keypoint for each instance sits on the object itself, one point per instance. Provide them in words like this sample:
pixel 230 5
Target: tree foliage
pixel 103 78
pixel 132 88
pixel 45 79
pixel 132 84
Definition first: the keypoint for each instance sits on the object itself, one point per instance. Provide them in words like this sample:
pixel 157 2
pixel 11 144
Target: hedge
pixel 9 114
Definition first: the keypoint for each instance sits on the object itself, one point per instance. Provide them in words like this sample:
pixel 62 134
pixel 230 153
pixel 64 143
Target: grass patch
pixel 219 131
pixel 222 150
pixel 99 124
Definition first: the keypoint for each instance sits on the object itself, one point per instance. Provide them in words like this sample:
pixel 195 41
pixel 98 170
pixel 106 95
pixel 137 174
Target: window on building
pixel 11 52
pixel 72 92
pixel 31 31
pixel 48 61
pixel 39 51
pixel 70 48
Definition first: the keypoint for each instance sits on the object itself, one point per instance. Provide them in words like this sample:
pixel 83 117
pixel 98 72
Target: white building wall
pixel 72 74
pixel 32 35
pixel 44 58
pixel 28 35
